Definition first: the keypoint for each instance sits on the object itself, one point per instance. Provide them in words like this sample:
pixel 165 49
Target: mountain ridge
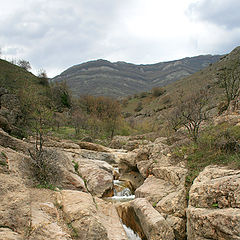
pixel 118 79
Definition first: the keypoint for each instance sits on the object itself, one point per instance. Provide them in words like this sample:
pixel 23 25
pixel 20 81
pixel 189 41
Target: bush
pixel 44 167
pixel 158 91
pixel 139 107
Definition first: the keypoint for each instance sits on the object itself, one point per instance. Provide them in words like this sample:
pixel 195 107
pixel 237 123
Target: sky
pixel 56 34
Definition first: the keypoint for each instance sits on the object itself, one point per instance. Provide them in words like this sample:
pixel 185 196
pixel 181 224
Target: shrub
pixel 139 107
pixel 158 91
pixel 44 167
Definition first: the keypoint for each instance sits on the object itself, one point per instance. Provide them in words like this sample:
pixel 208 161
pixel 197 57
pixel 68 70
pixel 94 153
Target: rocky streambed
pixel 147 195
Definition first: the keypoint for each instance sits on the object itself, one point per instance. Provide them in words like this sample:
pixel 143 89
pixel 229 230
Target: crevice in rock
pixel 129 218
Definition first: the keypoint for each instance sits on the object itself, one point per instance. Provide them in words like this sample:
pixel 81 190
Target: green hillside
pixel 13 77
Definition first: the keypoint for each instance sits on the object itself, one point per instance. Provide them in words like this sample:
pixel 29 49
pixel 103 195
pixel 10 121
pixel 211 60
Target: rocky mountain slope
pixel 152 107
pixel 118 79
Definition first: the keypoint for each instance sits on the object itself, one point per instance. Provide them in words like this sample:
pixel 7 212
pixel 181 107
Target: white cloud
pixel 57 34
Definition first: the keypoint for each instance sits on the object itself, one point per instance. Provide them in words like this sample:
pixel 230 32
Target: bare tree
pixel 24 64
pixel 193 112
pixel 174 118
pixel 42 75
pixel 230 81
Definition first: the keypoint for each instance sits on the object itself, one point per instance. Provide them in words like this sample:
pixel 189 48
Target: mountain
pixel 151 107
pixel 119 79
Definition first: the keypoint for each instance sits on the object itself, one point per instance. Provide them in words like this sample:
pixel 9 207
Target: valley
pixel 160 164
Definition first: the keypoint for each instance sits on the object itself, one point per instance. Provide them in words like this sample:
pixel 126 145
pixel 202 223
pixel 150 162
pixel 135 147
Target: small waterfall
pixel 123 193
pixel 130 233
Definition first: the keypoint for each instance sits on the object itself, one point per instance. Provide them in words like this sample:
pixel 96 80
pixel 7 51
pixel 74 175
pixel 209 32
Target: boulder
pixel 154 189
pixel 81 214
pixel 153 223
pixel 216 187
pixel 15 204
pixel 129 142
pixel 8 234
pixel 127 162
pixel 165 190
pixel 203 223
pixel 178 225
pixel 173 204
pixel 134 178
pixel 214 202
pixel 97 174
pixel 63 144
pixel 172 174
pixel 110 220
pixel 92 147
pixel 99 156
pixel 44 223
pixel 129 218
pixel 8 141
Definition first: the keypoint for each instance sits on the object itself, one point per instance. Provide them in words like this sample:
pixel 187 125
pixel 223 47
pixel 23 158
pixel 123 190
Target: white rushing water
pixel 123 194
pixel 130 233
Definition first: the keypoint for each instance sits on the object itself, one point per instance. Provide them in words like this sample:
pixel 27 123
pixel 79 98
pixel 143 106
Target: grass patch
pixel 76 166
pixel 217 145
pixel 64 133
pixel 47 186
pixel 74 232
pixel 3 163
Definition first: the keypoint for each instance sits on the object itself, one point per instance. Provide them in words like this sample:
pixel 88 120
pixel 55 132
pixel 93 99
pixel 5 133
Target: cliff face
pixel 118 79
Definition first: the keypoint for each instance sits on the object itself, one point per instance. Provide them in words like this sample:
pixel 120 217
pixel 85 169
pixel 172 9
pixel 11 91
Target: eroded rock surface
pixel 153 223
pixel 8 234
pixel 213 211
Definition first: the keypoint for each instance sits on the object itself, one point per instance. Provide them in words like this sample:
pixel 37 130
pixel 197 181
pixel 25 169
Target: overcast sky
pixel 56 34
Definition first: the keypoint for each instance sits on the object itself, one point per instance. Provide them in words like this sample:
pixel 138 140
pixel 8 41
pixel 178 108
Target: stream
pixel 122 193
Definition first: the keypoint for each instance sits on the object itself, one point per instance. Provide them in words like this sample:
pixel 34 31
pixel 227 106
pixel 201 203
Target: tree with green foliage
pixel 60 96
pixel 105 111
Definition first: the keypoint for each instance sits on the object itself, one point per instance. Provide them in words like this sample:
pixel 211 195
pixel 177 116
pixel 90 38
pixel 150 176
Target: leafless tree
pixel 42 75
pixel 230 81
pixel 24 64
pixel 193 112
pixel 174 118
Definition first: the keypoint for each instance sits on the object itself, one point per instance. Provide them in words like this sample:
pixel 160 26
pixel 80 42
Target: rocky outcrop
pixel 90 218
pixel 99 156
pixel 214 203
pixel 97 174
pixel 81 214
pixel 44 222
pixel 8 234
pixel 110 220
pixel 153 223
pixel 10 111
pixel 164 185
pixel 8 141
pixel 14 204
pixel 92 147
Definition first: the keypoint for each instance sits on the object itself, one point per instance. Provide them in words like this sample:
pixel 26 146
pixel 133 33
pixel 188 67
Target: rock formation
pixel 159 212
